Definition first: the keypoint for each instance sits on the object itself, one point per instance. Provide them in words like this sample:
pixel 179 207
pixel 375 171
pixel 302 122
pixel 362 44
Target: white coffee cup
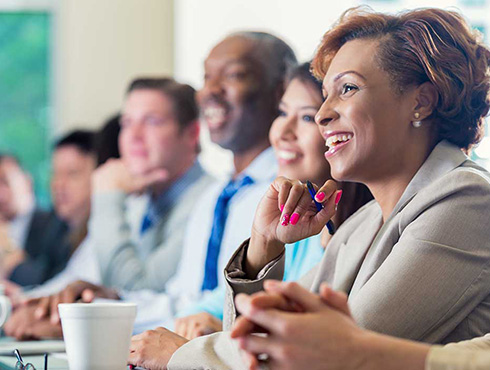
pixel 97 335
pixel 5 306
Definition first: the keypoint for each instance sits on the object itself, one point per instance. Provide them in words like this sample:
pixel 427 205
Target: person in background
pixel 141 202
pixel 244 80
pixel 298 147
pixel 51 243
pixel 83 262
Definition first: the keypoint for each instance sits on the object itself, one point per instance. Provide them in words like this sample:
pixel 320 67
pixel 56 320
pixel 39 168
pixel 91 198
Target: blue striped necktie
pixel 214 244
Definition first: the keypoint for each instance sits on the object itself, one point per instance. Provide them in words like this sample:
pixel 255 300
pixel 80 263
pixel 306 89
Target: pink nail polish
pixel 285 219
pixel 294 218
pixel 338 197
pixel 282 207
pixel 320 196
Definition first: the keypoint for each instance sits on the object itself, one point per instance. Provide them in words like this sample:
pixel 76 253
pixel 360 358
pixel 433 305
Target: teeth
pixel 337 139
pixel 283 154
pixel 213 112
pixel 214 115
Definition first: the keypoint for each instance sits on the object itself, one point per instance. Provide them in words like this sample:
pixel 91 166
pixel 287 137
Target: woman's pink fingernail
pixel 338 197
pixel 282 207
pixel 294 218
pixel 285 219
pixel 320 196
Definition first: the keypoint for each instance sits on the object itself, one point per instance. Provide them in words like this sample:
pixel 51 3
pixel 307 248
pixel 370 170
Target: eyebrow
pixel 281 103
pixel 339 76
pixel 342 74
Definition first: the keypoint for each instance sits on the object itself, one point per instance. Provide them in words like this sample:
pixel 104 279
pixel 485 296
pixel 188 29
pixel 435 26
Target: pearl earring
pixel 417 123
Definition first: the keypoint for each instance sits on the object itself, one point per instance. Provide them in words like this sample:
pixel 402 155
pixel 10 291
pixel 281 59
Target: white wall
pixel 201 24
pixel 103 44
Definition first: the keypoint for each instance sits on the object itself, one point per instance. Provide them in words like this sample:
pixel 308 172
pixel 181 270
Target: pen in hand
pixel 330 225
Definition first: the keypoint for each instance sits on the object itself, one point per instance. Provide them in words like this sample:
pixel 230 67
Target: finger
pixel 334 299
pixel 270 300
pixel 329 208
pixel 250 361
pixel 88 295
pixel 296 191
pixel 137 337
pixel 242 327
pixel 70 294
pixel 255 344
pixel 281 186
pixel 29 301
pixel 188 330
pixel 42 309
pixel 180 327
pixel 293 291
pixel 197 331
pixel 271 320
pixel 326 191
pixel 54 315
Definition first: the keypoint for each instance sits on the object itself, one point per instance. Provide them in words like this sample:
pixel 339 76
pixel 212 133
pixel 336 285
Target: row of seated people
pixel 401 99
pixel 36 244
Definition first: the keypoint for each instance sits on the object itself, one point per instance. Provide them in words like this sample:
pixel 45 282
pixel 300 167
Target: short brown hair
pixel 182 95
pixel 424 45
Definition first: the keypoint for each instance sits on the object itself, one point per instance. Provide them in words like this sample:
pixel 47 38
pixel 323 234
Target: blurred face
pixel 298 145
pixel 150 137
pixel 70 184
pixel 365 123
pixel 234 102
pixel 7 203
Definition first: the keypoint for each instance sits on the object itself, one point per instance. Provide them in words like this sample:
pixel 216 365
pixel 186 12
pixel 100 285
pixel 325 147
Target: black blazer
pixel 47 247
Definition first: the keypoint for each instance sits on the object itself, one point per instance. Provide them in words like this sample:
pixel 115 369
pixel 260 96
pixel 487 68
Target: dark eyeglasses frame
pixel 20 362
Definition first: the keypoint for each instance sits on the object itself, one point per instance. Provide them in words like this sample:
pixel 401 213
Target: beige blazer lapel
pixel 351 258
pixel 444 158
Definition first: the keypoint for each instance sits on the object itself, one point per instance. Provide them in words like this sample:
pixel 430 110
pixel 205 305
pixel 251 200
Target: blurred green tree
pixel 25 91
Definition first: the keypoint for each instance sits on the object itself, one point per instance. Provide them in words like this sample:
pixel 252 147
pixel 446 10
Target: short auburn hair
pixel 424 45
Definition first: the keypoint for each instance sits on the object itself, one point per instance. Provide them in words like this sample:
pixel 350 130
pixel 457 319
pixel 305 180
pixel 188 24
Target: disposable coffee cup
pixel 97 335
pixel 5 307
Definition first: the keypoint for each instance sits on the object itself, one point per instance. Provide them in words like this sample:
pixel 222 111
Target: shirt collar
pixel 262 168
pixel 170 197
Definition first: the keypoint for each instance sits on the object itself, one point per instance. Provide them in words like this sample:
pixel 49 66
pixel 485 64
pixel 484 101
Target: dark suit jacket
pixel 47 248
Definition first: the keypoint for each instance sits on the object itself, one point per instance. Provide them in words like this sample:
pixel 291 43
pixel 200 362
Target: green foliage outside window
pixel 25 75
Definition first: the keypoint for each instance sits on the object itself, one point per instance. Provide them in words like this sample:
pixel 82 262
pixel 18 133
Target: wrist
pixel 385 352
pixel 261 251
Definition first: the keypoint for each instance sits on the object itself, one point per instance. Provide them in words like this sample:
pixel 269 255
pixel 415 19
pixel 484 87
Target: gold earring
pixel 417 123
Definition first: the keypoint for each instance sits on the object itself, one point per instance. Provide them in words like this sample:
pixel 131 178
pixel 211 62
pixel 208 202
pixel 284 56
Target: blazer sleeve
pixel 121 264
pixel 467 355
pixel 211 352
pixel 438 271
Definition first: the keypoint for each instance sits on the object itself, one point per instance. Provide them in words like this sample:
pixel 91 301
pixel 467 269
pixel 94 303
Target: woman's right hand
pixel 287 214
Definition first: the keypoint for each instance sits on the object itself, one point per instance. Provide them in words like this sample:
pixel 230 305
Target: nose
pixel 326 114
pixel 212 86
pixel 288 128
pixel 136 129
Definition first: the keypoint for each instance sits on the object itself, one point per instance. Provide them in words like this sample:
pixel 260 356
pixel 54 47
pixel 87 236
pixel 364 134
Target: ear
pixel 426 99
pixel 192 131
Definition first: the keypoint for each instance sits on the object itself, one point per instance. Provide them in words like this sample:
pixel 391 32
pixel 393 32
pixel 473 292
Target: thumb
pixel 334 299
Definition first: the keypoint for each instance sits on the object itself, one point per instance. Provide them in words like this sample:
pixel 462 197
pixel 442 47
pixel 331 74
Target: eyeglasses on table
pixel 20 365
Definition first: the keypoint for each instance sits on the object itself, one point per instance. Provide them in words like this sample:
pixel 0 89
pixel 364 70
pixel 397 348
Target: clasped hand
pixel 303 330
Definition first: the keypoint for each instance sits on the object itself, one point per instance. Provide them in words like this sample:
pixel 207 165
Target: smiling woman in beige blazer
pixel 404 96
